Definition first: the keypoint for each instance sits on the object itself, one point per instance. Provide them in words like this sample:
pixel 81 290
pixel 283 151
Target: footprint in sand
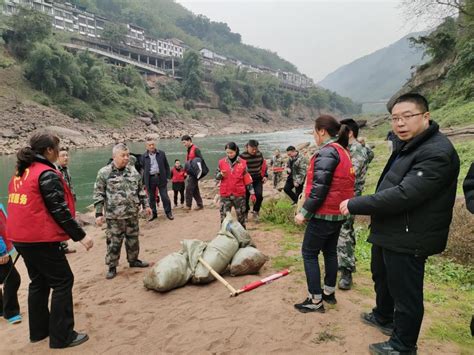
pixel 112 301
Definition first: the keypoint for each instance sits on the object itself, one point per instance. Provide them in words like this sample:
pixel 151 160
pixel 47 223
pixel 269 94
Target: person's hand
pixel 288 171
pixel 148 211
pixel 299 219
pixel 99 221
pixel 4 259
pixel 296 184
pixel 253 198
pixel 87 242
pixel 343 207
pixel 264 180
pixel 223 172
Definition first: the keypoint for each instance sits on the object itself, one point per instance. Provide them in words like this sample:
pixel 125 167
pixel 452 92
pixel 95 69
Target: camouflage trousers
pixel 346 246
pixel 276 179
pixel 238 203
pixel 117 230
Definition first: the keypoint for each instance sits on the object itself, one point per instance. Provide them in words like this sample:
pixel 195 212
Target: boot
pixel 345 282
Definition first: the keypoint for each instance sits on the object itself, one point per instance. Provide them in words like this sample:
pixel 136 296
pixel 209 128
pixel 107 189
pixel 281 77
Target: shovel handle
pixel 214 273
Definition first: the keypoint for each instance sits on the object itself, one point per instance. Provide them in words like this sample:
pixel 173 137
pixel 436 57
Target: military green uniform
pixel 118 193
pixel 239 205
pixel 361 156
pixel 276 162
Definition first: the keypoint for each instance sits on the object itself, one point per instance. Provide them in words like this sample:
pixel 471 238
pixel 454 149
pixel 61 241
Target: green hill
pixel 378 75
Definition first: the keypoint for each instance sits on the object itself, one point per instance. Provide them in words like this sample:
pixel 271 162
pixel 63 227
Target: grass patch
pixel 449 286
pixel 326 336
pixel 455 113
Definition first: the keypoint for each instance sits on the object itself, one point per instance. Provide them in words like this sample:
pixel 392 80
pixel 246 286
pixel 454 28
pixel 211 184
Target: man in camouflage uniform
pixel 296 168
pixel 361 156
pixel 119 192
pixel 277 167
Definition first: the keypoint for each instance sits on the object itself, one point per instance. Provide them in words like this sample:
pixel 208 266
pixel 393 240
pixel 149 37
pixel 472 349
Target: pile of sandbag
pixel 232 248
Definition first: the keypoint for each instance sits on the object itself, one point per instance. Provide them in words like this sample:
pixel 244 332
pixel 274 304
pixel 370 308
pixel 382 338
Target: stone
pixel 145 120
pixel 154 128
pixel 9 133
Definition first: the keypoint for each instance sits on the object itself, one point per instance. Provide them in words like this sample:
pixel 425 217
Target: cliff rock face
pixel 426 79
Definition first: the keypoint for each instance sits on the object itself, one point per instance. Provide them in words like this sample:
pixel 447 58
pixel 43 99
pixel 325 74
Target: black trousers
pixel 192 191
pixel 398 284
pixel 289 186
pixel 162 190
pixel 9 306
pixel 49 269
pixel 320 235
pixel 258 188
pixel 178 187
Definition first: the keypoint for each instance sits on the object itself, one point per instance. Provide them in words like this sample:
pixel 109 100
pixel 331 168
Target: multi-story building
pixel 67 17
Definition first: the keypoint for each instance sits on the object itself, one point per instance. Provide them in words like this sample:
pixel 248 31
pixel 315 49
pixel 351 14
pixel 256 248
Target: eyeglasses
pixel 404 118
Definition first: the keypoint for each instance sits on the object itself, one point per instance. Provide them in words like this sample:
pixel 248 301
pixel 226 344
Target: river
pixel 85 163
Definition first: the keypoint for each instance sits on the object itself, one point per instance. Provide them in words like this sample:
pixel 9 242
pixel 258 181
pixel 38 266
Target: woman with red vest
pixel 40 216
pixel 178 176
pixel 235 180
pixel 330 180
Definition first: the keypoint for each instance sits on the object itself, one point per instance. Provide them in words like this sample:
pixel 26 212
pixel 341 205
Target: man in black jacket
pixel 410 211
pixel 156 172
pixel 468 188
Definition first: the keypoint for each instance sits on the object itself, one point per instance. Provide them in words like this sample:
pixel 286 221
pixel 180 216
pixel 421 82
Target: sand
pixel 123 317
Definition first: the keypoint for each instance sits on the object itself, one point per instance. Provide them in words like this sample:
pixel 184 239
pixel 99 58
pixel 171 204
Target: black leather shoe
pixel 39 339
pixel 139 263
pixel 331 299
pixel 153 218
pixel 79 339
pixel 111 273
pixel 345 282
pixel 369 318
pixel 169 216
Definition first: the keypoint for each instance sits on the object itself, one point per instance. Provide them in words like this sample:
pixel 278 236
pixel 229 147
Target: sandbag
pixel 246 261
pixel 194 249
pixel 218 254
pixel 170 272
pixel 230 225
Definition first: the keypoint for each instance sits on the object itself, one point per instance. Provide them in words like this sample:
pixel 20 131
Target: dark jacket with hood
pixel 412 207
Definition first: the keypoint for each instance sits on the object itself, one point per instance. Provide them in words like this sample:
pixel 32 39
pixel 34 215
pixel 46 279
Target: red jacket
pixel 178 175
pixel 342 185
pixel 191 153
pixel 29 221
pixel 235 178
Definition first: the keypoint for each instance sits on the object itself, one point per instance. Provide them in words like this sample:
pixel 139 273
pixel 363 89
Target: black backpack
pixel 197 168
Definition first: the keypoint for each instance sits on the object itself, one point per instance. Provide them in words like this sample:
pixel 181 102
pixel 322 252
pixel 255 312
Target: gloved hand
pixel 253 198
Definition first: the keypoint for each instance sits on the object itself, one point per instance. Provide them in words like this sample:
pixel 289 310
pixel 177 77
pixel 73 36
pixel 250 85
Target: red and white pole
pixel 266 280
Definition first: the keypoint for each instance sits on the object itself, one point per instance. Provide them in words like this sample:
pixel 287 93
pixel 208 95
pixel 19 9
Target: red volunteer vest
pixel 29 221
pixel 342 186
pixel 236 178
pixel 178 176
pixel 191 154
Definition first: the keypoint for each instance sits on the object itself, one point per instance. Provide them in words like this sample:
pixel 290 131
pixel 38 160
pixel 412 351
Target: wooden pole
pixel 214 273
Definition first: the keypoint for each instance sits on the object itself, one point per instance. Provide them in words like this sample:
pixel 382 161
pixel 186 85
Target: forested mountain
pixel 378 75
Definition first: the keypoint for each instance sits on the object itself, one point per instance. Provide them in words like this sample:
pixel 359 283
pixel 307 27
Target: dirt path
pixel 121 316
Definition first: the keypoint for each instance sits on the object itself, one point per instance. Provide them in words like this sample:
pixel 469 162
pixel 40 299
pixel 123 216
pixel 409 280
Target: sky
pixel 316 36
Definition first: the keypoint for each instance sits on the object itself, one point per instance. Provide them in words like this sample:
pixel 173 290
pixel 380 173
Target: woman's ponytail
pixel 24 158
pixel 343 135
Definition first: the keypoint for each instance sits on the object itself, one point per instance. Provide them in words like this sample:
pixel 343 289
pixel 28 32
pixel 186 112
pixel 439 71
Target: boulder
pixel 8 133
pixel 145 120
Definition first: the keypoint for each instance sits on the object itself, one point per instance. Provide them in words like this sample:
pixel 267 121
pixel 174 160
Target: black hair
pixel 353 126
pixel 413 97
pixel 334 128
pixel 186 138
pixel 176 160
pixel 290 149
pixel 39 143
pixel 252 143
pixel 232 146
pixel 64 149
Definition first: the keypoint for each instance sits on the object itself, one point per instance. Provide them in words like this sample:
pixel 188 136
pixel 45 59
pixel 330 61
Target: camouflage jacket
pixel 298 167
pixel 119 193
pixel 361 156
pixel 276 162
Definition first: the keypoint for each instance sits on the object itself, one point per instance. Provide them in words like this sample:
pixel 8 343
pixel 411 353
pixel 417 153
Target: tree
pixel 27 27
pixel 435 11
pixel 192 76
pixel 114 33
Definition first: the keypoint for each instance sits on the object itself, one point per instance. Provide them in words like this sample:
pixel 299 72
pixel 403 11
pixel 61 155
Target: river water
pixel 85 163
